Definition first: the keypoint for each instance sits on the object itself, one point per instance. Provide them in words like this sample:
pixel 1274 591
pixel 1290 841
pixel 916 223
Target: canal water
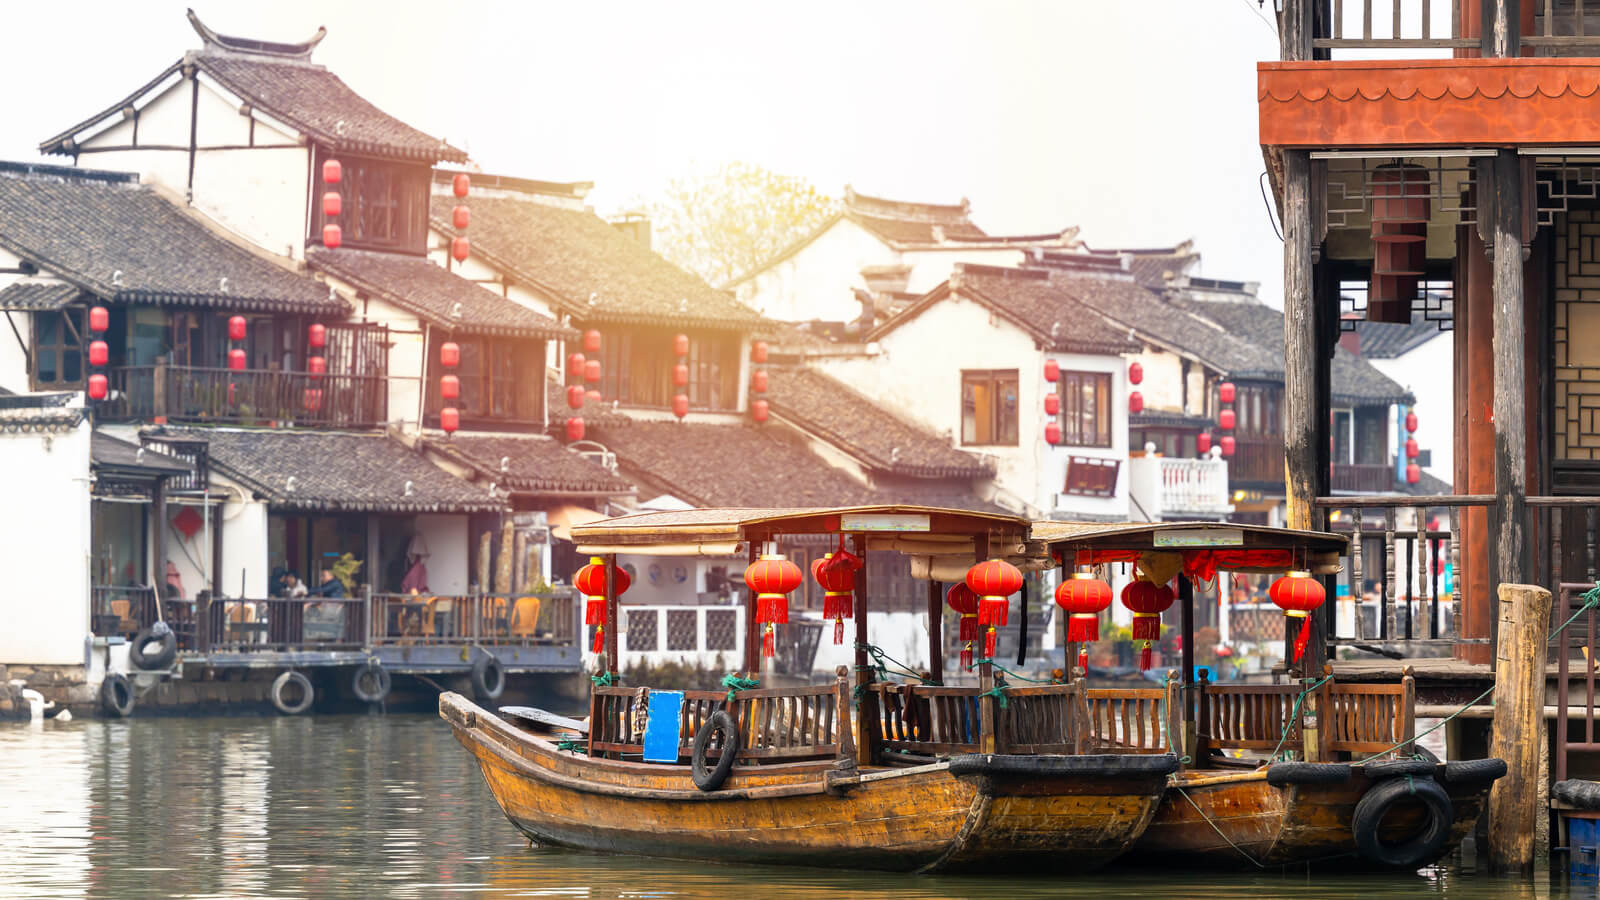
pixel 388 806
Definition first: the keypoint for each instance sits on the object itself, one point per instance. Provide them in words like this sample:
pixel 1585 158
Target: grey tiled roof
pixel 109 452
pixel 1384 340
pixel 441 298
pixel 532 464
pixel 125 243
pixel 594 271
pixel 37 295
pixel 1047 304
pixel 340 471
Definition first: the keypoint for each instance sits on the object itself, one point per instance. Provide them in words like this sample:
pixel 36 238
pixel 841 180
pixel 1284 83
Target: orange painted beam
pixel 1429 102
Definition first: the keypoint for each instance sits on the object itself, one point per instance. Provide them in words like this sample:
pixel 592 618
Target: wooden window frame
pixel 71 342
pixel 995 380
pixel 637 363
pixel 1071 417
pixel 1089 476
pixel 393 193
pixel 491 389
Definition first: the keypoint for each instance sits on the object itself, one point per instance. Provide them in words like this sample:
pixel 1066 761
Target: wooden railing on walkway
pixel 1130 720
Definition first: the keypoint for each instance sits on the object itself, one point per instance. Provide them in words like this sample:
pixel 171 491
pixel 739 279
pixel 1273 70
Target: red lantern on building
pixel 760 410
pixel 1202 442
pixel 758 352
pixel 312 399
pixel 592 371
pixel 1411 421
pixel 332 204
pixel 1135 402
pixel 460 248
pixel 575 363
pixel 1052 433
pixel 1135 373
pixel 1412 450
pixel 461 184
pixel 1413 473
pixel 593 395
pixel 99 319
pixel 680 345
pixel 450 419
pixel 1052 371
pixel 758 381
pixel 994 581
pixel 236 359
pixel 449 387
pixel 317 336
pixel 449 354
pixel 1225 392
pixel 99 353
pixel 680 375
pixel 591 580
pixel 1226 420
pixel 575 428
pixel 1084 597
pixel 332 172
pixel 591 341
pixel 317 366
pixel 1147 602
pixel 680 405
pixel 97 386
pixel 332 237
pixel 1227 446
pixel 961 599
pixel 1298 595
pixel 1052 404
pixel 237 328
pixel 575 397
pixel 771 578
pixel 461 217
pixel 836 573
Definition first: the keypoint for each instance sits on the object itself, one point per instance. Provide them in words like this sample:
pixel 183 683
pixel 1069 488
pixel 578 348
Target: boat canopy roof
pixel 1223 546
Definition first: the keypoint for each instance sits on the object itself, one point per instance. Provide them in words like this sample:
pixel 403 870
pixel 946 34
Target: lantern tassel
pixel 594 612
pixel 988 642
pixel 1146 627
pixel 599 639
pixel 838 632
pixel 1083 658
pixel 969 629
pixel 1083 627
pixel 966 655
pixel 1304 636
pixel 993 610
pixel 768 643
pixel 1144 656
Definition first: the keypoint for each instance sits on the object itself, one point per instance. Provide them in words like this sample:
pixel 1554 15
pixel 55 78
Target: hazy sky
pixel 1133 120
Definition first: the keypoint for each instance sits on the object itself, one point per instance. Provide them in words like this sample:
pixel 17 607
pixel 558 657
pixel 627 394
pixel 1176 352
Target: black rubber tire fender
pixel 1419 849
pixel 1399 768
pixel 371 682
pixel 116 696
pixel 710 779
pixel 1577 792
pixel 1284 774
pixel 281 683
pixel 162 658
pixel 488 677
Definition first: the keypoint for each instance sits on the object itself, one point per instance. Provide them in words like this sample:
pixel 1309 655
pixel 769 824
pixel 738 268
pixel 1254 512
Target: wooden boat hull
pixel 974 812
pixel 1227 820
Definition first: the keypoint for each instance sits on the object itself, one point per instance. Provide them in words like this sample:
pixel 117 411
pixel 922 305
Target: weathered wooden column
pixel 752 631
pixel 613 615
pixel 1191 691
pixel 1518 732
pixel 935 630
pixel 1300 349
pixel 1510 381
pixel 867 702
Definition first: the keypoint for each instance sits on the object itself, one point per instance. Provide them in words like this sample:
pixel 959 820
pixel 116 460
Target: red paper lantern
pixel 994 581
pixel 1147 602
pixel 1412 450
pixel 1135 402
pixel 593 395
pixel 1052 371
pixel 332 172
pixel 1052 404
pixel 680 375
pixel 591 580
pixel 758 352
pixel 317 335
pixel 236 359
pixel 575 363
pixel 312 399
pixel 1411 421
pixel 237 328
pixel 575 428
pixel 449 419
pixel 591 341
pixel 97 386
pixel 1225 392
pixel 770 579
pixel 1135 373
pixel 592 371
pixel 1052 433
pixel 449 354
pixel 1202 442
pixel 836 573
pixel 1227 446
pixel 680 345
pixel 1413 473
pixel 460 248
pixel 575 397
pixel 99 319
pixel 961 599
pixel 758 381
pixel 332 204
pixel 1084 597
pixel 232 393
pixel 1298 594
pixel 317 366
pixel 680 405
pixel 461 184
pixel 461 217
pixel 332 237
pixel 760 410
pixel 449 387
pixel 1226 420
pixel 99 353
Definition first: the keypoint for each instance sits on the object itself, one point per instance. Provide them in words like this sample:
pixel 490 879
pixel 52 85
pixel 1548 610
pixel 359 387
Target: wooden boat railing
pixel 1369 718
pixel 775 724
pixel 933 720
pixel 1130 720
pixel 1354 718
pixel 1246 717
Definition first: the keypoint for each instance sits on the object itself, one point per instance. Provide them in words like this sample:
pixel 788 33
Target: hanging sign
pixel 1209 537
pixel 884 522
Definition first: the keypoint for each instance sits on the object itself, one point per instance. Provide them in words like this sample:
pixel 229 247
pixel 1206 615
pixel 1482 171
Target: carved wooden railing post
pixel 847 744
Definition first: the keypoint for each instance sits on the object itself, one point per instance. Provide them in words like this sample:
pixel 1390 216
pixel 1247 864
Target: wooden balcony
pixel 192 395
pixel 1257 461
pixel 1364 478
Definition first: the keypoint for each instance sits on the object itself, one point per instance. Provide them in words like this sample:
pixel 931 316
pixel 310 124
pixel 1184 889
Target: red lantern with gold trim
pixel 449 387
pixel 591 580
pixel 1202 442
pixel 1298 595
pixel 1411 421
pixel 1227 446
pixel 332 204
pixel 1135 373
pixel 575 397
pixel 575 363
pixel 317 335
pixel 1225 392
pixel 1084 597
pixel 1147 602
pixel 680 345
pixel 1135 402
pixel 1052 433
pixel 449 354
pixel 836 573
pixel 461 217
pixel 760 410
pixel 994 581
pixel 460 248
pixel 1413 473
pixel 680 375
pixel 332 237
pixel 1226 420
pixel 1052 371
pixel 317 366
pixel 758 352
pixel 237 328
pixel 770 579
pixel 758 381
pixel 332 172
pixel 961 599
pixel 592 371
pixel 1052 404
pixel 236 359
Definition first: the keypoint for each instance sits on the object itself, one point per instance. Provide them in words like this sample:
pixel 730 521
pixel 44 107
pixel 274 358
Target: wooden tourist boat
pixel 1355 790
pixel 968 785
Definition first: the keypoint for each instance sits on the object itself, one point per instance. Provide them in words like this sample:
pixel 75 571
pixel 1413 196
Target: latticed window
pixel 638 364
pixel 683 629
pixel 989 407
pixel 643 628
pixel 57 349
pixel 722 629
pixel 384 205
pixel 1085 409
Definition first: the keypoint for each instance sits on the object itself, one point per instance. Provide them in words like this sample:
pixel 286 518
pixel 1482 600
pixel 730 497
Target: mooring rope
pixel 735 684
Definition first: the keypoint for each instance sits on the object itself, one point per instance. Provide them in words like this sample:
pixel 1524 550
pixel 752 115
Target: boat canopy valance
pixel 1205 547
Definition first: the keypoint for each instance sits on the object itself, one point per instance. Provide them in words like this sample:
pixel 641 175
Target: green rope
pixel 604 679
pixel 1017 675
pixel 880 659
pixel 1257 863
pixel 1294 713
pixel 574 746
pixel 998 691
pixel 735 684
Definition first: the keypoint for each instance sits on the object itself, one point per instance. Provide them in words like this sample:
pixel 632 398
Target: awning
pixel 562 518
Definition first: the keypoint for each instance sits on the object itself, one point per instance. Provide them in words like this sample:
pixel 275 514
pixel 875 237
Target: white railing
pixel 1195 486
pixel 694 635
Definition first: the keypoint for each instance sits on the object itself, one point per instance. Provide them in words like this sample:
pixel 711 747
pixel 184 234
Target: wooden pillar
pixel 1190 695
pixel 936 630
pixel 1295 29
pixel 1474 428
pixel 203 609
pixel 867 707
pixel 1510 384
pixel 158 543
pixel 1518 731
pixel 986 710
pixel 752 630
pixel 613 614
pixel 1502 37
pixel 1300 348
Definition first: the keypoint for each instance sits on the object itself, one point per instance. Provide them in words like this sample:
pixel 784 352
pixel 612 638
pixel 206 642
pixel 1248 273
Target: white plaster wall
pixel 13 356
pixel 245 548
pixel 931 268
pixel 1053 468
pixel 405 351
pixel 1425 373
pixel 45 607
pixel 446 536
pixel 664 589
pixel 1163 380
pixel 163 121
pixel 816 282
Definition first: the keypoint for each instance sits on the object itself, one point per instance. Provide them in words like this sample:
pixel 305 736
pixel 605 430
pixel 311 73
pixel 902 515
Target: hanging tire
pixel 162 656
pixel 1417 850
pixel 488 677
pixel 710 779
pixel 371 682
pixel 284 697
pixel 116 696
pixel 1284 774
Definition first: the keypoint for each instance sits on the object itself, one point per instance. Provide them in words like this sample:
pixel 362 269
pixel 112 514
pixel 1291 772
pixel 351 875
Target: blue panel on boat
pixel 1583 837
pixel 661 731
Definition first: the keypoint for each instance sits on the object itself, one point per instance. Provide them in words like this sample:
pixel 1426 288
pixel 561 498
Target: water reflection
pixel 389 806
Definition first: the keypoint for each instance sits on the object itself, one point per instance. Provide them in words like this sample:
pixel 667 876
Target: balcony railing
pixel 1560 27
pixel 1363 478
pixel 1194 486
pixel 1257 460
pixel 186 394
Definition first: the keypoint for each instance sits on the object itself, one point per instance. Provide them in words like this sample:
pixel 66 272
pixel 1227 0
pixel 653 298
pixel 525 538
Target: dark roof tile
pixel 37 295
pixel 1383 340
pixel 1049 305
pixel 532 464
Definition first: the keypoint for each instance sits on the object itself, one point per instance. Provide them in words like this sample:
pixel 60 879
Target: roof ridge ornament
pixel 229 43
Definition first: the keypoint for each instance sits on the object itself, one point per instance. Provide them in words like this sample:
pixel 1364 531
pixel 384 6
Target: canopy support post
pixel 867 702
pixel 752 631
pixel 613 616
pixel 1186 610
pixel 935 630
